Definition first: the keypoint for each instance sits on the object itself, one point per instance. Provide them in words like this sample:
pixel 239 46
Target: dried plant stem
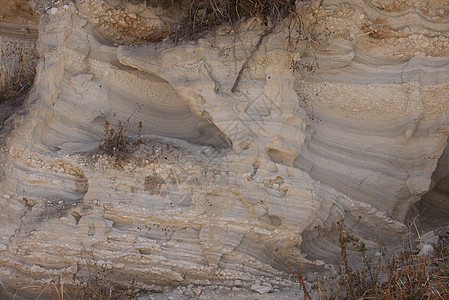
pixel 253 51
pixel 303 285
pixel 341 239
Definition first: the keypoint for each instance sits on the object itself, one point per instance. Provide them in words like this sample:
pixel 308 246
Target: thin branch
pixel 253 51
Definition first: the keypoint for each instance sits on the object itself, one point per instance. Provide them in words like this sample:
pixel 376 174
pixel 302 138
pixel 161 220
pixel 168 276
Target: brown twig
pixel 341 239
pixel 253 51
pixel 300 279
pixel 303 285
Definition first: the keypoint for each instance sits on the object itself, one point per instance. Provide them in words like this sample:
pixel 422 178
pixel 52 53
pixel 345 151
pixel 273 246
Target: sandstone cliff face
pixel 349 122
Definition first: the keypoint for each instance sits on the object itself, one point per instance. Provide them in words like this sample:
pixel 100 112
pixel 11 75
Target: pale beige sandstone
pixel 229 186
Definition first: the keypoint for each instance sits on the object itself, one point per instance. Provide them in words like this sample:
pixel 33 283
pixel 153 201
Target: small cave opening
pixel 155 108
pixel 432 210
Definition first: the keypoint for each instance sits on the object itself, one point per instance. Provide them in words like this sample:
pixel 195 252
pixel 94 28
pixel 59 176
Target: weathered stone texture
pixel 350 121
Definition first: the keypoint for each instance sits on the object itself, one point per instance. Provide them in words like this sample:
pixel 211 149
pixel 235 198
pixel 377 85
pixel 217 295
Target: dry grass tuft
pixel 17 72
pixel 116 141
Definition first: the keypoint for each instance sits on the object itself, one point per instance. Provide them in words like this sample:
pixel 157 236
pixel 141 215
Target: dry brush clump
pixel 190 19
pixel 116 141
pixel 17 70
pixel 404 275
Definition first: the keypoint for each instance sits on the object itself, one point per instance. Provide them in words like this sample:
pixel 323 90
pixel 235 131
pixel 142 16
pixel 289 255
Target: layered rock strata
pixel 348 121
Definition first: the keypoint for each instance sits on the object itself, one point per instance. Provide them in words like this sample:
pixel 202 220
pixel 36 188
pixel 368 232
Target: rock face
pixel 348 122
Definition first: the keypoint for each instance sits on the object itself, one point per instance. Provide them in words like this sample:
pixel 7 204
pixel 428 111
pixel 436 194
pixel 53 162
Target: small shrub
pixel 116 140
pixel 407 275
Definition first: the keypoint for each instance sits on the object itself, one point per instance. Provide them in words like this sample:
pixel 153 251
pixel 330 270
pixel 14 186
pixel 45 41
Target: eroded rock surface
pixel 348 122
